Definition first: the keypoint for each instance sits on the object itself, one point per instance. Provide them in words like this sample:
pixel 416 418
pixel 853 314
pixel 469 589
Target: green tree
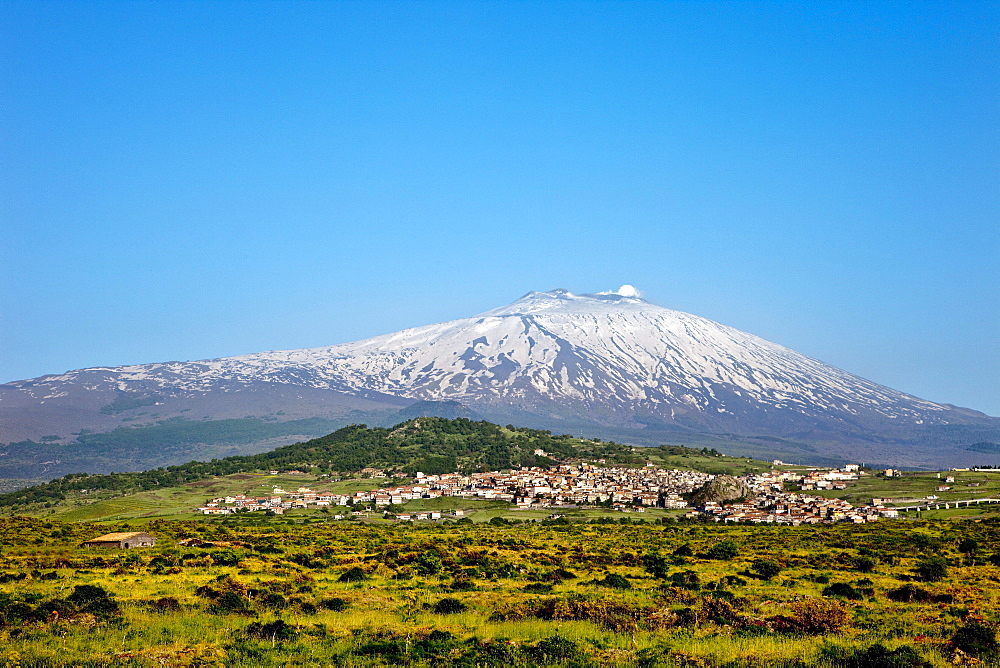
pixel 932 569
pixel 765 568
pixel 968 546
pixel 864 564
pixel 724 550
pixel 655 564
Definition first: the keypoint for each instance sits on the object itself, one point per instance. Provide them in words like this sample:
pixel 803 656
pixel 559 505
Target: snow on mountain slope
pixel 612 357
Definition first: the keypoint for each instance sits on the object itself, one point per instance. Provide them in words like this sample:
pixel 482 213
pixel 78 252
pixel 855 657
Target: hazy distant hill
pixel 442 409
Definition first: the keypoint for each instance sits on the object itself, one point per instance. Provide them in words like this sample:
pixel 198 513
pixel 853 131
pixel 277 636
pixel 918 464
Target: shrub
pixel 449 606
pixel 392 650
pixel 276 630
pixel 434 649
pixel 225 558
pixel 732 580
pixel 336 604
pixel 274 601
pixel 161 561
pixel 968 546
pixel 864 564
pixel 615 581
pixel 538 588
pixel 230 601
pixel 686 580
pixel 932 569
pixel 428 563
pixel 561 574
pixel 656 565
pixel 719 610
pixel 205 591
pixel 57 606
pixel 166 604
pixel 909 593
pixel 975 638
pixel 462 582
pixel 684 551
pixel 555 648
pixel 876 656
pixel 724 550
pixel 816 616
pixel 842 589
pixel 765 568
pixel 352 575
pixel 494 653
pixel 17 612
pixel 95 600
pixel 612 615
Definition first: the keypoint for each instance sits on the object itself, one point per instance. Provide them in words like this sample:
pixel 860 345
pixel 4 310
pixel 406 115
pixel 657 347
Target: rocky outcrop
pixel 721 489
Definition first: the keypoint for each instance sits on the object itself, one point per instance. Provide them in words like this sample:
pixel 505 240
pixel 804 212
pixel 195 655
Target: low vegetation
pixel 507 587
pixel 665 593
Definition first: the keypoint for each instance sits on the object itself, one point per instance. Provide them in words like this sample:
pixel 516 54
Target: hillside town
pixel 773 504
pixel 586 485
pixel 567 485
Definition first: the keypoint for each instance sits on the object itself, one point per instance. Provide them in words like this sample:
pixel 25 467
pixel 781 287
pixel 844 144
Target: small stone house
pixel 125 540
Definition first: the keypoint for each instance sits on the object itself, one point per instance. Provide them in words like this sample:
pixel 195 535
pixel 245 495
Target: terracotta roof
pixel 117 536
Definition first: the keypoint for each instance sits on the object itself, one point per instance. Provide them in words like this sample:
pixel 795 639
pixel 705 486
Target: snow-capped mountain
pixel 554 359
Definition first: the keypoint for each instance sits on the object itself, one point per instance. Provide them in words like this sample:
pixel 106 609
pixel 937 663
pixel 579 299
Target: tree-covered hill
pixel 427 444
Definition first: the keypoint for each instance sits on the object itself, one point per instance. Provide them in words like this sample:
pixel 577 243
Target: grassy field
pixel 310 591
pixel 973 512
pixel 721 464
pixel 912 487
pixel 180 502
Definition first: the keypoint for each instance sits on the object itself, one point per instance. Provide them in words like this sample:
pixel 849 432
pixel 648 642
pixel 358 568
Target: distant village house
pixel 121 541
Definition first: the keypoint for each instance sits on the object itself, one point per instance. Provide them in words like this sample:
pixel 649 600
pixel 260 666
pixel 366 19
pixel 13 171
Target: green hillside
pixel 427 444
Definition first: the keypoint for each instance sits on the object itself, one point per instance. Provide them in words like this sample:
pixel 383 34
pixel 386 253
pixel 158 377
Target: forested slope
pixel 427 444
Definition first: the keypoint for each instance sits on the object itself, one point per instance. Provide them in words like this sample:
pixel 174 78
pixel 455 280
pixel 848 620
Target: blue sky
pixel 192 180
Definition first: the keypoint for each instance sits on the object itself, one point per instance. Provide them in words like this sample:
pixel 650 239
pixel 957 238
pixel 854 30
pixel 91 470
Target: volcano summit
pixel 608 364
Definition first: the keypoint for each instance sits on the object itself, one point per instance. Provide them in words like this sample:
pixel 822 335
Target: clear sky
pixel 184 180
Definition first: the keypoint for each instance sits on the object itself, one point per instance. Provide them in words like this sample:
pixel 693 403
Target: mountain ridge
pixel 604 361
